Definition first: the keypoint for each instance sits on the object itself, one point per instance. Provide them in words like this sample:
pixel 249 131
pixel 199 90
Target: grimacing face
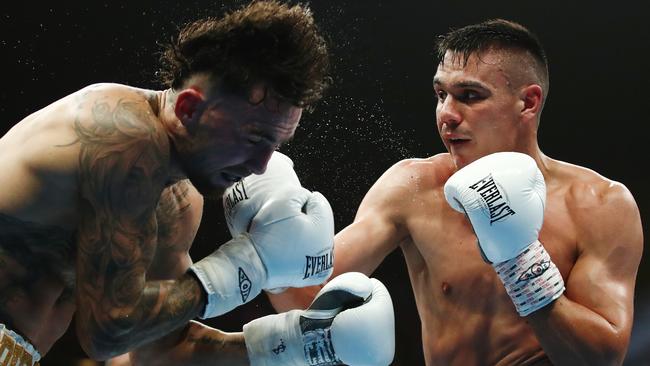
pixel 477 111
pixel 234 138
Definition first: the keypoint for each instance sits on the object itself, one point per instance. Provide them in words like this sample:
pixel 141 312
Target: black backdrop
pixel 380 109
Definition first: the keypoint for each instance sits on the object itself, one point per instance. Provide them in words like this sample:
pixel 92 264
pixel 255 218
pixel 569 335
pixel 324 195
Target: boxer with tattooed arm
pixel 103 191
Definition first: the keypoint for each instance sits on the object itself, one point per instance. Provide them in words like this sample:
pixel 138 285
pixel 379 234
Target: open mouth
pixel 457 142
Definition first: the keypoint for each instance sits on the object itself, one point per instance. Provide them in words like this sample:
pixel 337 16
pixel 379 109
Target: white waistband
pixel 15 350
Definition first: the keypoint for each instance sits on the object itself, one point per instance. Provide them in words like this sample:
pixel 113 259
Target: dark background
pixel 380 109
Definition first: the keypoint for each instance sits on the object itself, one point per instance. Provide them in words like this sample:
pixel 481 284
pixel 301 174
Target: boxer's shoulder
pixel 405 183
pixel 108 103
pixel 114 91
pixel 421 173
pixel 116 119
pixel 599 207
pixel 585 188
pixel 122 145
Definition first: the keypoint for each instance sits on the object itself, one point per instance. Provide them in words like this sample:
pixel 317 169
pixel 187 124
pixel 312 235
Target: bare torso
pixel 467 317
pixel 39 206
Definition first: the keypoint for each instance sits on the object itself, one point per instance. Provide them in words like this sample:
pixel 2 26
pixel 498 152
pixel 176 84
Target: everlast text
pixel 496 204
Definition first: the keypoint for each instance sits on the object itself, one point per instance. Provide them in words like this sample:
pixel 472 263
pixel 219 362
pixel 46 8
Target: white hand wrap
pixel 531 279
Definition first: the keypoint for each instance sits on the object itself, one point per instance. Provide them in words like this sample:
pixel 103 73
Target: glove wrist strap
pixel 279 340
pixel 275 340
pixel 531 279
pixel 231 276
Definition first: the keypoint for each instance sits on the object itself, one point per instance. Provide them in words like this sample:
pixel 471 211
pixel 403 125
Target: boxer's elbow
pixel 96 350
pixel 102 348
pixel 611 348
pixel 106 338
pixel 614 352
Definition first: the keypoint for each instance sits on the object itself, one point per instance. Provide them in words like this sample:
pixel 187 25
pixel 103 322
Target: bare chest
pixel 461 301
pixel 442 244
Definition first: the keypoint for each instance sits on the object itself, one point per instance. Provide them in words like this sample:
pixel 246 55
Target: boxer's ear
pixel 532 98
pixel 188 107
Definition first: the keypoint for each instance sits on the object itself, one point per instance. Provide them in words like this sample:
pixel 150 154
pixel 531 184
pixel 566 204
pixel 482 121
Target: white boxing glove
pixel 350 322
pixel 242 200
pixel 289 244
pixel 503 196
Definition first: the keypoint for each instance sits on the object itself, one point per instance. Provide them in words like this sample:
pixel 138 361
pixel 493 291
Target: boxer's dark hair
pixel 499 33
pixel 265 41
pixel 495 34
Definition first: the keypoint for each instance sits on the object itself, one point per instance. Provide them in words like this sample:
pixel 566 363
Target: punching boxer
pixel 102 195
pixel 514 257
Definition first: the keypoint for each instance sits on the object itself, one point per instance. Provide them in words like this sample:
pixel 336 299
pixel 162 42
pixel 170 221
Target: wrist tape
pixel 531 279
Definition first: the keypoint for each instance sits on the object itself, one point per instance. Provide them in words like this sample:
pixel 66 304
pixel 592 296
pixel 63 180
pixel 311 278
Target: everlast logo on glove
pixel 236 194
pixel 493 200
pixel 315 266
pixel 244 285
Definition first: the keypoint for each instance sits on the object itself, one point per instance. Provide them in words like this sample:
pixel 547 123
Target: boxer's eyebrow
pixel 470 84
pixel 462 84
pixel 268 137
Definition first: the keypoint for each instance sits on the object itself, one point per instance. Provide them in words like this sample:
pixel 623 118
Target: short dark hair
pixel 265 41
pixel 494 33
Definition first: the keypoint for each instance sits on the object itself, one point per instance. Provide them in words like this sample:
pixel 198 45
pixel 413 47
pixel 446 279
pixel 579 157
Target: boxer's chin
pixel 210 190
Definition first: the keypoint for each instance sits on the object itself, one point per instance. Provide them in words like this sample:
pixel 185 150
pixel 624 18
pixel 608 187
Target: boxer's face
pixel 234 137
pixel 477 110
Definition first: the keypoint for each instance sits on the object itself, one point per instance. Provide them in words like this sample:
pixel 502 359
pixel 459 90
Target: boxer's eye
pixel 441 95
pixel 254 139
pixel 469 96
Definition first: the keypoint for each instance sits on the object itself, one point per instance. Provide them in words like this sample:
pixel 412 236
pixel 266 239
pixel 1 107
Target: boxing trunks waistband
pixel 15 350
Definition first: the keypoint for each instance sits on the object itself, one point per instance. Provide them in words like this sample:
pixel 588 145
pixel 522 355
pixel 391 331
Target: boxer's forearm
pixel 572 334
pixel 163 307
pixel 194 345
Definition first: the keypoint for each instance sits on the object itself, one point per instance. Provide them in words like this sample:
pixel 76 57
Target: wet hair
pixel 265 41
pixel 497 34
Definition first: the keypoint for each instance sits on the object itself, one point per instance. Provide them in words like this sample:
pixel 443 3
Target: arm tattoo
pixel 173 204
pixel 123 164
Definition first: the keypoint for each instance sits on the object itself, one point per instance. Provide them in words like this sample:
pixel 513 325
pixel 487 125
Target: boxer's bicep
pixel 378 227
pixel 178 214
pixel 364 244
pixel 603 277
